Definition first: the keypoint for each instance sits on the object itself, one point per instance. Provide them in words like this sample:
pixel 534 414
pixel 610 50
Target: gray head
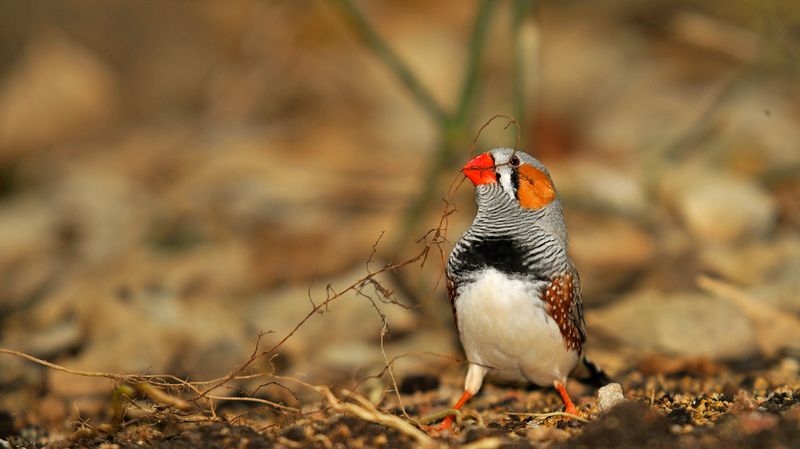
pixel 513 185
pixel 521 176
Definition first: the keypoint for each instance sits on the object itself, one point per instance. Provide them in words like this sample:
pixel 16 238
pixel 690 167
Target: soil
pixel 754 408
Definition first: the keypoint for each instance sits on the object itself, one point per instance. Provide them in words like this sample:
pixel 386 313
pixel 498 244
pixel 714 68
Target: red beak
pixel 480 170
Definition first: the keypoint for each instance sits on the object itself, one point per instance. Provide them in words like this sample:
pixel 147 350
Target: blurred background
pixel 177 176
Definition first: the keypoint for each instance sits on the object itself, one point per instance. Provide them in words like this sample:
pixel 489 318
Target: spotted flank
pixel 560 298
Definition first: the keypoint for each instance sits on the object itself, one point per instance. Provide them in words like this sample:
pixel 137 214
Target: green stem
pixel 477 43
pixel 518 12
pixel 550 415
pixel 369 35
pixel 454 130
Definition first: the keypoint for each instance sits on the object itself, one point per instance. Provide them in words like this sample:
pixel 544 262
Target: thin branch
pixel 549 415
pixel 378 46
pixel 437 416
pixel 511 121
pixel 112 376
pixel 384 330
pixel 256 400
pixel 153 379
pixel 161 397
pixel 366 411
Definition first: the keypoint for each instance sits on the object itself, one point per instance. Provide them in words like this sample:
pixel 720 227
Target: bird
pixel 514 291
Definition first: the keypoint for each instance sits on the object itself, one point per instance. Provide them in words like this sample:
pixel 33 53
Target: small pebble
pixel 760 384
pixel 790 365
pixel 609 396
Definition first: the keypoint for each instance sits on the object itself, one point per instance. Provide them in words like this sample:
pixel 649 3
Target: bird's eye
pixel 514 161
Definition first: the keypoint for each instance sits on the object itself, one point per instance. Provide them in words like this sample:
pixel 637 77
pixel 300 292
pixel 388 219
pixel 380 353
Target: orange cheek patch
pixel 535 189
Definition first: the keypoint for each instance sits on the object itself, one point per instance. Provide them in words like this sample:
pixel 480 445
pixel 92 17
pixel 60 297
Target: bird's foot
pixel 570 407
pixel 445 425
pixel 572 410
pixel 449 415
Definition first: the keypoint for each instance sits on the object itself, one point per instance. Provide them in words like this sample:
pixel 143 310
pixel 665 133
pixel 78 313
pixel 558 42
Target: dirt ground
pixel 755 404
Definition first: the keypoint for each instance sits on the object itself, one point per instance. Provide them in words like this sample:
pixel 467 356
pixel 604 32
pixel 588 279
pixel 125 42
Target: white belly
pixel 503 325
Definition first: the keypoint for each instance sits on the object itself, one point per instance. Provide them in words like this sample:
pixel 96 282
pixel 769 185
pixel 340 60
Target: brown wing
pixel 576 313
pixel 451 293
pixel 563 298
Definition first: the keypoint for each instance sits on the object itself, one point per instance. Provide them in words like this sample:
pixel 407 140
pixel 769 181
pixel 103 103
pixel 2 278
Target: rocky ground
pixel 178 178
pixel 685 404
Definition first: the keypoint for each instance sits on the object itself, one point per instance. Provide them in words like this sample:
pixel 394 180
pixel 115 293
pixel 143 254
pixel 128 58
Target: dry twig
pixel 366 411
pixel 549 415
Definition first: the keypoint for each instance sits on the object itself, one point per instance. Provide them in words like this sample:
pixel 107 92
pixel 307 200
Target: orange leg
pixel 565 396
pixel 448 421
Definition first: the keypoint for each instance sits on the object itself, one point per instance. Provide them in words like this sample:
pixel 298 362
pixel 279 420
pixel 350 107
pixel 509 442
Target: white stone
pixel 609 396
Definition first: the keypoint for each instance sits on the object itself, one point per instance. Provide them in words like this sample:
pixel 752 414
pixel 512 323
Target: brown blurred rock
pixel 717 207
pixel 782 290
pixel 607 251
pixel 769 271
pixel 58 90
pixel 106 213
pixel 22 383
pixel 572 79
pixel 285 204
pixel 80 407
pixel 71 387
pixel 759 128
pixel 142 313
pixel 27 246
pixel 776 330
pixel 599 186
pixel 419 352
pixel 342 357
pixel 49 342
pixel 662 364
pixel 689 324
pixel 756 263
pixel 52 410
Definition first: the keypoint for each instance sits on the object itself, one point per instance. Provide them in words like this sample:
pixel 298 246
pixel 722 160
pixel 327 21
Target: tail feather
pixel 589 373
